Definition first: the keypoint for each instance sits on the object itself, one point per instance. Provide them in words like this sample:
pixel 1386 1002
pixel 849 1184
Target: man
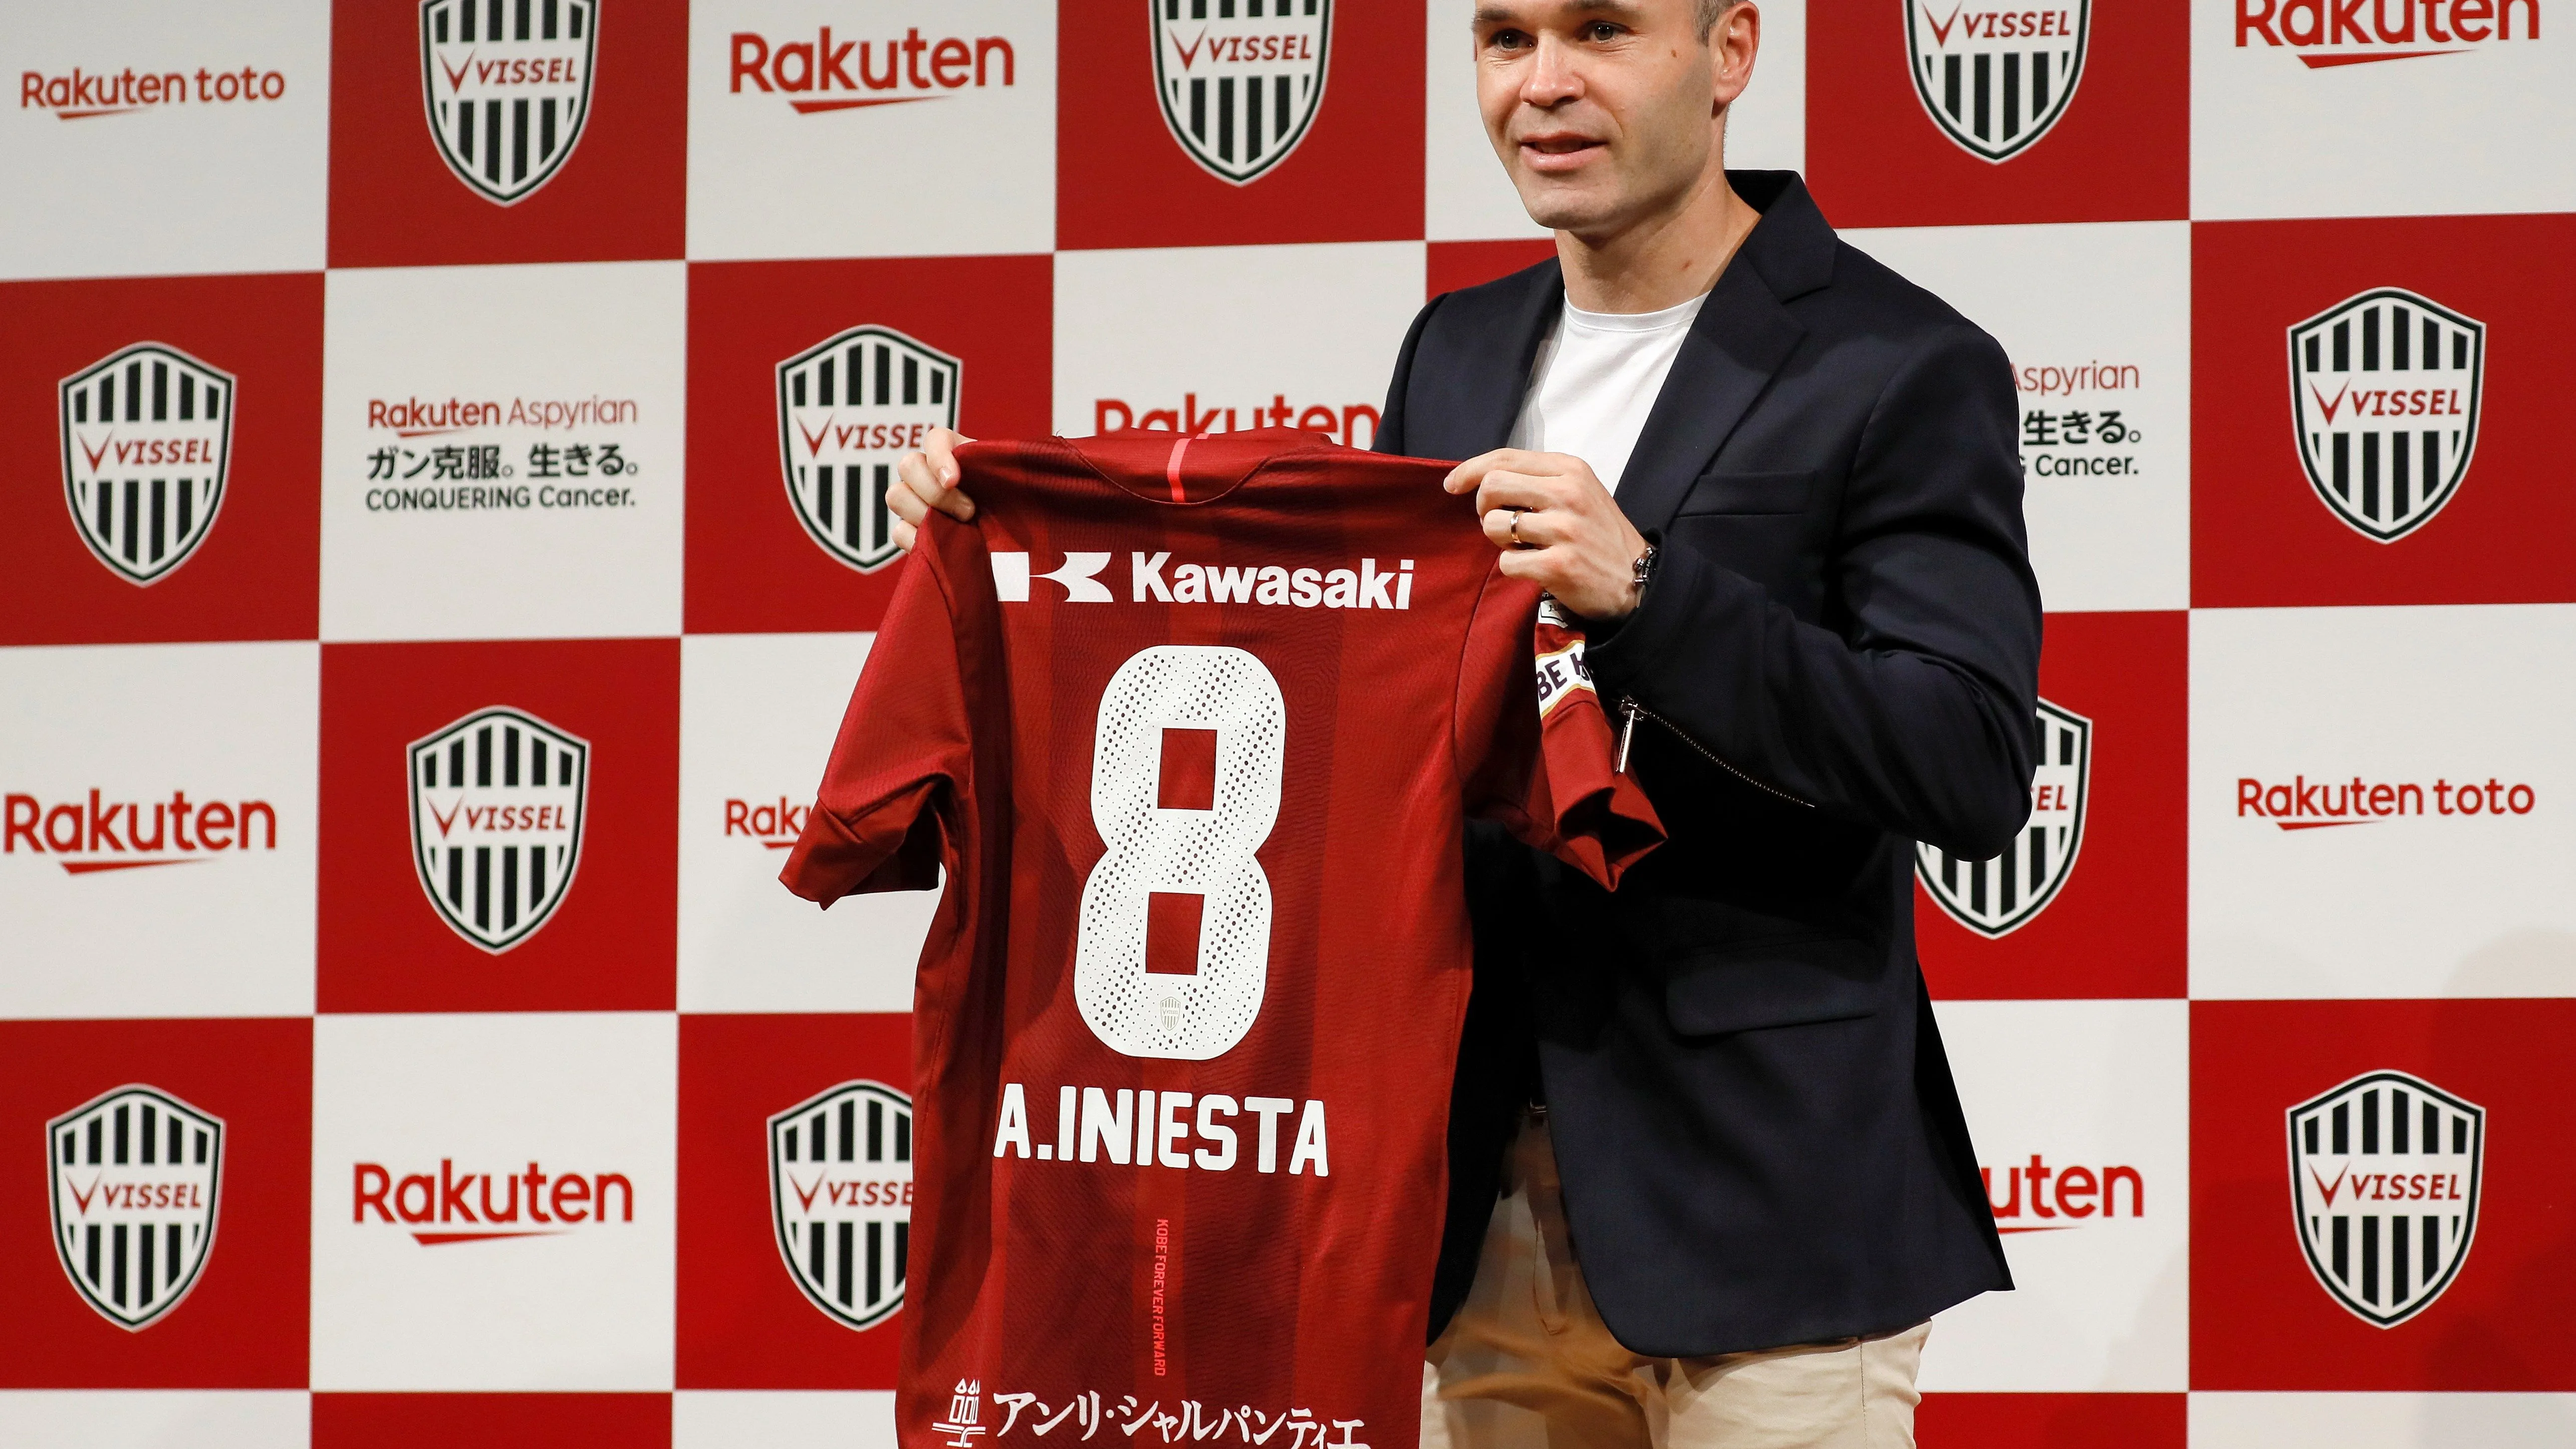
pixel 1780 487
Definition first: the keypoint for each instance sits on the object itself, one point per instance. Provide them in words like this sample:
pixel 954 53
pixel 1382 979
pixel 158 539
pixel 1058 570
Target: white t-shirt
pixel 1594 381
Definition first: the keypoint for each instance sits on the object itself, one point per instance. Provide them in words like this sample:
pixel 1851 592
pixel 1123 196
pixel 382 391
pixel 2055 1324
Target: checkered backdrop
pixel 441 524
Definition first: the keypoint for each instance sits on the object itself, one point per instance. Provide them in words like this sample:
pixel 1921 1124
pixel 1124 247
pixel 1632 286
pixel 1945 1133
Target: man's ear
pixel 1732 46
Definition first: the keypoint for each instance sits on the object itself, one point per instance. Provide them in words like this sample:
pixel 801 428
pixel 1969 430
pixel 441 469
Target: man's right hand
pixel 927 480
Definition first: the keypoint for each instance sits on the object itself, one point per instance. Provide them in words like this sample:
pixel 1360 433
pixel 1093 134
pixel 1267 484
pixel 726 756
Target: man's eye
pixel 1601 32
pixel 1506 40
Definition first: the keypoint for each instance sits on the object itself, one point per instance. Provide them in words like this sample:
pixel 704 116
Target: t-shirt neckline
pixel 1678 315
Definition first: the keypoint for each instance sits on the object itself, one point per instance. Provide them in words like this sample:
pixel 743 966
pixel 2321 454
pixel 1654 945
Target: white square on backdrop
pixel 758 714
pixel 2418 127
pixel 444 1297
pixel 2101 1262
pixel 841 153
pixel 1466 194
pixel 2303 886
pixel 2096 319
pixel 117 898
pixel 2381 1421
pixel 453 503
pixel 157 1418
pixel 846 1419
pixel 1223 338
pixel 107 176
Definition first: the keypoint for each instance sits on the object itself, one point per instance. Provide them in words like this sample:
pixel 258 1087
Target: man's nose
pixel 1555 74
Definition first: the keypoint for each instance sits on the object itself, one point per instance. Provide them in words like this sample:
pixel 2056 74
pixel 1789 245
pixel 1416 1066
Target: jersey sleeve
pixel 891 796
pixel 1536 751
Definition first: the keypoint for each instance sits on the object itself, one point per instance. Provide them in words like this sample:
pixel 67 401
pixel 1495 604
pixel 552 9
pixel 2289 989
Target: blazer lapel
pixel 1498 374
pixel 1739 340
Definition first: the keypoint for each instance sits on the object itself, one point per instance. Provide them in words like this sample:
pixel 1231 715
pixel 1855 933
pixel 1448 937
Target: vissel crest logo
pixel 1240 90
pixel 848 408
pixel 2384 396
pixel 147 431
pixel 840 1194
pixel 1997 897
pixel 507 88
pixel 496 812
pixel 135 1177
pixel 2384 1174
pixel 1996 80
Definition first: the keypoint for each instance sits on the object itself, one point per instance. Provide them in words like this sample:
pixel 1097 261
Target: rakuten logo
pixel 2335 32
pixel 915 69
pixel 83 94
pixel 109 834
pixel 1111 414
pixel 2077 1195
pixel 774 823
pixel 555 1203
pixel 2304 804
pixel 412 418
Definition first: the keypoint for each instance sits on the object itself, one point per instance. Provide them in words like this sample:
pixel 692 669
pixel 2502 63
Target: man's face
pixel 1605 111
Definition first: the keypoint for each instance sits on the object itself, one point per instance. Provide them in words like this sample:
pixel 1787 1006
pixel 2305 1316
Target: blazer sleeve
pixel 1911 705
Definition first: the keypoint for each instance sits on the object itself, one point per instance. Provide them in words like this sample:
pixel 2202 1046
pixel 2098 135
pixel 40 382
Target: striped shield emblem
pixel 1995 79
pixel 507 85
pixel 2384 394
pixel 135 1179
pixel 840 1191
pixel 147 431
pixel 848 408
pixel 1240 80
pixel 1999 896
pixel 2384 1180
pixel 496 807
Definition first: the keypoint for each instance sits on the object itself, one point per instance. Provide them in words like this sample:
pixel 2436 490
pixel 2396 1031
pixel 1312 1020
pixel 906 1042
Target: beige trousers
pixel 1528 1363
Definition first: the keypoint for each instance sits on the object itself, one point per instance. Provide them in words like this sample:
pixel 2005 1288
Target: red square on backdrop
pixel 608 939
pixel 491 1421
pixel 1448 266
pixel 755 564
pixel 2261 1317
pixel 241 1324
pixel 618 194
pixel 2115 926
pixel 2263 533
pixel 2120 150
pixel 744 1323
pixel 251 573
pixel 1124 178
pixel 2050 1421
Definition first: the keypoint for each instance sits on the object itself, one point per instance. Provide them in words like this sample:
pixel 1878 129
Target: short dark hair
pixel 1711 12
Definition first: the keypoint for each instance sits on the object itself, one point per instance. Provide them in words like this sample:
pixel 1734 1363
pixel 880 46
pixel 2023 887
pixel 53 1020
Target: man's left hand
pixel 1557 526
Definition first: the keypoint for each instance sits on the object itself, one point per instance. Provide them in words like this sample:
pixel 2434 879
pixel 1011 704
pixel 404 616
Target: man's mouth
pixel 1557 150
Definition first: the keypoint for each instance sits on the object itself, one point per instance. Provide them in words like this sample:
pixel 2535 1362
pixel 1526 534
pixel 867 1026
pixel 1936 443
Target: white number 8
pixel 1207 853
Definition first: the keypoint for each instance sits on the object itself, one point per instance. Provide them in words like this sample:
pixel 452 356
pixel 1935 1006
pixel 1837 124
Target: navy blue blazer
pixel 1837 656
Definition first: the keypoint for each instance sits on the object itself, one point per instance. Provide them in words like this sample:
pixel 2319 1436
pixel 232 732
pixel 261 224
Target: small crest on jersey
pixel 147 432
pixel 2384 1177
pixel 135 1174
pixel 840 1195
pixel 1240 86
pixel 2384 394
pixel 507 88
pixel 1996 78
pixel 1997 897
pixel 496 809
pixel 849 408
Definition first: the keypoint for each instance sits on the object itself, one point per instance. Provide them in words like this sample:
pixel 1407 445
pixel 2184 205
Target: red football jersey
pixel 1192 726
